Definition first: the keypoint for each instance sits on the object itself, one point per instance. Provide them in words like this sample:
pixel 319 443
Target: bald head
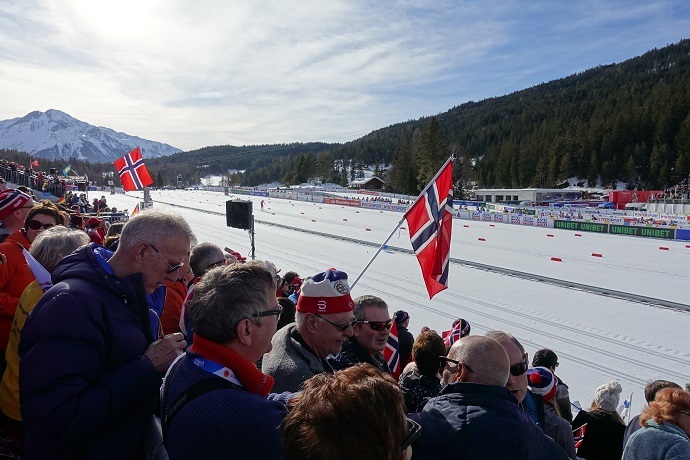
pixel 484 356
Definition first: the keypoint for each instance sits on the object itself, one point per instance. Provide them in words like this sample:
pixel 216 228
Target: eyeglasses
pixel 446 360
pixel 520 368
pixel 171 268
pixel 377 325
pixel 683 411
pixel 340 327
pixel 277 312
pixel 35 225
pixel 414 431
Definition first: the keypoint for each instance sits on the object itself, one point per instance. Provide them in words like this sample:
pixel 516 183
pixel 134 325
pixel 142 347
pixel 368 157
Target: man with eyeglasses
pixel 91 368
pixel 215 403
pixel 323 321
pixel 370 335
pixel 475 416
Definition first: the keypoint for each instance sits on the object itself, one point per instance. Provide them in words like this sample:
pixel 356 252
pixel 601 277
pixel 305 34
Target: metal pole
pixel 251 237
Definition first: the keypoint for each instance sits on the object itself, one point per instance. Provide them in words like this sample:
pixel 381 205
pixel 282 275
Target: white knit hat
pixel 608 395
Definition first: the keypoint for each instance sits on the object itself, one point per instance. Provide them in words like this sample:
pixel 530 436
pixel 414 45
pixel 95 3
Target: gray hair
pixel 154 226
pixel 364 301
pixel 225 296
pixel 500 336
pixel 485 356
pixel 204 255
pixel 54 243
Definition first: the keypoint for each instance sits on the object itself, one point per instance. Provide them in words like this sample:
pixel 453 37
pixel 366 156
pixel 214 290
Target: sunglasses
pixel 216 264
pixel 35 225
pixel 445 360
pixel 277 312
pixel 340 327
pixel 414 431
pixel 518 369
pixel 171 268
pixel 377 325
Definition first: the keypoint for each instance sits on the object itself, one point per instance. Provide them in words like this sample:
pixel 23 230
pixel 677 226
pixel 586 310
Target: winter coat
pixel 474 421
pixel 223 423
pixel 563 400
pixel 558 429
pixel 290 362
pixel 417 389
pixel 15 276
pixel 603 436
pixel 175 293
pixel 406 341
pixel 86 389
pixel 633 426
pixel 658 441
pixel 9 387
pixel 353 353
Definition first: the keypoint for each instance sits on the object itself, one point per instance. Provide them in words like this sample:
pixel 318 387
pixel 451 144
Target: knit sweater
pixel 658 441
pixel 224 423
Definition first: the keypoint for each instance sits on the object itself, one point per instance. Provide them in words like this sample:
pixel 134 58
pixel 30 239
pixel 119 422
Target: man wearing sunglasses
pixel 370 335
pixel 215 403
pixel 91 368
pixel 475 416
pixel 323 321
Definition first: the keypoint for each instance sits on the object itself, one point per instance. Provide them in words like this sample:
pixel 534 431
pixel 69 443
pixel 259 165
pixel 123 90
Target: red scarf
pixel 246 372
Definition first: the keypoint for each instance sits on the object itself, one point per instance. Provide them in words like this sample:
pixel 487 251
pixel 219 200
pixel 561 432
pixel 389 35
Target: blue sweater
pixel 224 423
pixel 664 441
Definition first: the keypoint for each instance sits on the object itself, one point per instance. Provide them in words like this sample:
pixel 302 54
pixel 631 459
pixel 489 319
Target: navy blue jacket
pixel 86 389
pixel 473 421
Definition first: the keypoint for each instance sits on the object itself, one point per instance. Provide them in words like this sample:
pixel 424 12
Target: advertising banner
pixel 486 217
pixel 648 232
pixel 341 201
pixel 581 226
pixel 542 222
pixel 498 217
pixel 528 220
pixel 476 216
pixel 514 219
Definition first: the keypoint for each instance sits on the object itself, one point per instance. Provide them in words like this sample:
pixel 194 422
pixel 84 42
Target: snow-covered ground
pixel 596 338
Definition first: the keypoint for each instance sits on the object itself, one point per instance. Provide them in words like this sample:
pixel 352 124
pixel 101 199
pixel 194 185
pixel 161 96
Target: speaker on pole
pixel 239 214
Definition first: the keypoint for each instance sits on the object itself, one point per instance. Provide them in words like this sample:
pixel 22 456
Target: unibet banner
pixel 648 232
pixel 581 226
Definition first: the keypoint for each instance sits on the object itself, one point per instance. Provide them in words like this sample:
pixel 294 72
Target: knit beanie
pixel 325 293
pixel 541 381
pixel 11 200
pixel 401 316
pixel 607 396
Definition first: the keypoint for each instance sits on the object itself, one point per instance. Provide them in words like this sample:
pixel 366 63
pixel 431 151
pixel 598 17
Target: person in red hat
pixel 323 321
pixel 96 229
pixel 14 207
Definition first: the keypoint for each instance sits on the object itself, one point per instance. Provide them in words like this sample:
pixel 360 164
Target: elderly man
pixel 370 335
pixel 214 399
pixel 323 321
pixel 475 416
pixel 90 368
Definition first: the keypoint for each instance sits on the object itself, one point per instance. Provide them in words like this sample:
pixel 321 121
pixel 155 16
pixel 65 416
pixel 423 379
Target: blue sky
pixel 213 72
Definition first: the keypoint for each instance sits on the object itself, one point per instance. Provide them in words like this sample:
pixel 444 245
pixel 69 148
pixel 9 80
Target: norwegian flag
pixel 579 435
pixel 429 221
pixel 132 171
pixel 392 352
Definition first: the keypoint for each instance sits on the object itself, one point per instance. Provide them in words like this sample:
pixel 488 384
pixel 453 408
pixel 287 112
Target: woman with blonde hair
pixel 666 429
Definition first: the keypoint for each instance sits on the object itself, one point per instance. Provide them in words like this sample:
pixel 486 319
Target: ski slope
pixel 597 338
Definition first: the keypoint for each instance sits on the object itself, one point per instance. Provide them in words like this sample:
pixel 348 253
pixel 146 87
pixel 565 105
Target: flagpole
pixel 378 251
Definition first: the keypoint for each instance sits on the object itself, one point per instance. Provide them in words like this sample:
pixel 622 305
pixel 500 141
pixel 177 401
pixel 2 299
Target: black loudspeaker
pixel 52 171
pixel 239 214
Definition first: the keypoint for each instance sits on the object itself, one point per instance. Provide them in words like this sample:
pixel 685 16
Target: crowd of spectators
pixel 146 344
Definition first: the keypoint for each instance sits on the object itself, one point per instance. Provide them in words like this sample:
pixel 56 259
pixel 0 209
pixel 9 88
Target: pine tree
pixel 432 153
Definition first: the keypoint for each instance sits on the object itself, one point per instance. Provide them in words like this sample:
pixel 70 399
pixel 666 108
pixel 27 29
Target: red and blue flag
pixel 132 171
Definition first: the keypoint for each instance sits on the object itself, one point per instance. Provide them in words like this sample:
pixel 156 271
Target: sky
pixel 596 338
pixel 216 72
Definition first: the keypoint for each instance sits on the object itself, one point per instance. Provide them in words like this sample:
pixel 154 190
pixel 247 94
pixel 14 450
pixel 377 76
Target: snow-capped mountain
pixel 54 134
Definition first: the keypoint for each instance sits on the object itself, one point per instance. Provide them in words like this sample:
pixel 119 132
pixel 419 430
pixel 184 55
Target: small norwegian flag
pixel 132 171
pixel 579 435
pixel 392 352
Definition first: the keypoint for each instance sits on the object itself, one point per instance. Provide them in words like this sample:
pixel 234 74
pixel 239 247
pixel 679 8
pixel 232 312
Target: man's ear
pixel 140 252
pixel 244 332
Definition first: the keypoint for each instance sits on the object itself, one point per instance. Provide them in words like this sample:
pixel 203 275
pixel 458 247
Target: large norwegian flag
pixel 429 221
pixel 392 352
pixel 132 171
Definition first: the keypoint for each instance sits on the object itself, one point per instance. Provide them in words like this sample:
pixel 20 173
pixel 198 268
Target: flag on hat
pixel 429 222
pixel 132 171
pixel 325 293
pixel 392 351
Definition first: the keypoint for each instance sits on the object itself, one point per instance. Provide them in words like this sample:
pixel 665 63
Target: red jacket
pixel 15 275
pixel 175 293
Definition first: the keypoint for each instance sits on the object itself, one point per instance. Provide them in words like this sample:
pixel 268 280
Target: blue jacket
pixel 473 421
pixel 86 389
pixel 664 441
pixel 223 423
